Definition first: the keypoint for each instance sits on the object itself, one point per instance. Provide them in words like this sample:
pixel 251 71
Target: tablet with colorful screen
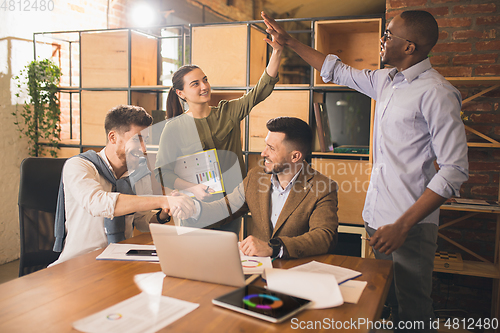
pixel 262 303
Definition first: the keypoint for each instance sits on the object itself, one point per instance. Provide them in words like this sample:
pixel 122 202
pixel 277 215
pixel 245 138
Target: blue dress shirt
pixel 278 199
pixel 417 121
pixel 279 196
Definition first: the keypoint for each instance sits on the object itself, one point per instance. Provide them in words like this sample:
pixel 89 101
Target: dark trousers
pixel 410 293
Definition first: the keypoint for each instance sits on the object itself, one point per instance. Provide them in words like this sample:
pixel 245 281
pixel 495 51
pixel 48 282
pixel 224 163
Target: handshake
pixel 178 205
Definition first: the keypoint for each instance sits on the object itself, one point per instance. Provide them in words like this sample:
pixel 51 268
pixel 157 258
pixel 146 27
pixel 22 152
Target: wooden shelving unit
pixel 482 267
pixel 115 66
pixel 355 41
pixel 492 83
pixel 125 66
pixel 238 50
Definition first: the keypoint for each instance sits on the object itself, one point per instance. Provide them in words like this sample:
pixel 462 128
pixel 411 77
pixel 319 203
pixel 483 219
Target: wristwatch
pixel 158 218
pixel 275 244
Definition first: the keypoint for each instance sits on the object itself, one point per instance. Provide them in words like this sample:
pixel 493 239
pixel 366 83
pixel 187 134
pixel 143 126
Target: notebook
pixel 198 254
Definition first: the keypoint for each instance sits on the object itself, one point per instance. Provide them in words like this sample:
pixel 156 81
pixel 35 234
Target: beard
pixel 133 158
pixel 277 168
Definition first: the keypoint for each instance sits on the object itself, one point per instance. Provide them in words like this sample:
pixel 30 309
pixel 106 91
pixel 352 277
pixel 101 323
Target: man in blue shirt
pixel 417 121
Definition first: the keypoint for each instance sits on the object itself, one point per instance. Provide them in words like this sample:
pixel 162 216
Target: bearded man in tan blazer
pixel 293 207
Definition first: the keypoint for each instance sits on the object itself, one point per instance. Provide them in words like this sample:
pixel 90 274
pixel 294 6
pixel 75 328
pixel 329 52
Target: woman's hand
pixel 201 192
pixel 277 43
pixel 279 35
pixel 180 205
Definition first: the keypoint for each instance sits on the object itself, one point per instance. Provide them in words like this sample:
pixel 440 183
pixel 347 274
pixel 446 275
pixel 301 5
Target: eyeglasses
pixel 387 34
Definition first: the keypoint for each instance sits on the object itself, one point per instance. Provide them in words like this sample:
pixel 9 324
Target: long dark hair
pixel 174 107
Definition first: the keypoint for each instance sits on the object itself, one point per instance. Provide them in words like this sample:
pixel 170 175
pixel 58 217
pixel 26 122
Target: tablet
pixel 262 303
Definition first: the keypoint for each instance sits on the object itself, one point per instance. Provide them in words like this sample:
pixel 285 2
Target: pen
pixel 366 239
pixel 206 190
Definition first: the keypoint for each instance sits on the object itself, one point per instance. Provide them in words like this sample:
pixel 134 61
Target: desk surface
pixel 50 300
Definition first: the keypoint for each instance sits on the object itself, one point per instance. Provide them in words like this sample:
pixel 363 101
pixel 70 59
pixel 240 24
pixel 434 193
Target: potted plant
pixel 41 112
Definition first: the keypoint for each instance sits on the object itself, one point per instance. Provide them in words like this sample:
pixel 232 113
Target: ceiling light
pixel 143 15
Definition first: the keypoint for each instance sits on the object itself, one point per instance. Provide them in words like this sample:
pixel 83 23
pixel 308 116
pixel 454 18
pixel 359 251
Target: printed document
pixel 201 168
pixel 141 313
pixel 321 289
pixel 341 274
pixel 115 251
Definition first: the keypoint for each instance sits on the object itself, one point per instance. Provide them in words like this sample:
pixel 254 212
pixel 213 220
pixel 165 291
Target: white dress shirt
pixel 417 121
pixel 88 200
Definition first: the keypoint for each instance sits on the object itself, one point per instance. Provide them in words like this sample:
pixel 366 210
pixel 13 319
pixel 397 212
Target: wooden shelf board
pixel 76 88
pixel 294 85
pixel 331 85
pixel 339 154
pixel 474 268
pixel 483 145
pixel 471 208
pixel 70 142
pixel 155 87
pixel 474 80
pixel 75 142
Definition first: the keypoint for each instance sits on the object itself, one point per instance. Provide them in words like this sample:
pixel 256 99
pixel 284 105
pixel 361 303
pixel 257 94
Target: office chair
pixel 37 201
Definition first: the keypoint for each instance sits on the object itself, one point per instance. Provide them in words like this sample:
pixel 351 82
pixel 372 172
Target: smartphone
pixel 151 253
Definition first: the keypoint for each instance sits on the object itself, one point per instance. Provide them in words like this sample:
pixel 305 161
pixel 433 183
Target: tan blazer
pixel 307 224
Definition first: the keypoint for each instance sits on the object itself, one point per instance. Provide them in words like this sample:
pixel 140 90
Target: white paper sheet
pixel 352 290
pixel 321 289
pixel 341 274
pixel 150 283
pixel 255 265
pixel 141 313
pixel 115 251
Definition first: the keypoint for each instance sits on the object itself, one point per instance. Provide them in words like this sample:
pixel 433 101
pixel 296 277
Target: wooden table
pixel 50 300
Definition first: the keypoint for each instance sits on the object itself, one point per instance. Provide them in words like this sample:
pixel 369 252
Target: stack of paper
pixel 341 274
pixel 325 285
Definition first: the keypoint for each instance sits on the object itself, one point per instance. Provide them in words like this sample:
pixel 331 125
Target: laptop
pixel 198 254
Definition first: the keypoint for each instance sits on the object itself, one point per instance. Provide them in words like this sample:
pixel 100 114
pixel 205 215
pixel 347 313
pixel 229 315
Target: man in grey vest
pixel 97 202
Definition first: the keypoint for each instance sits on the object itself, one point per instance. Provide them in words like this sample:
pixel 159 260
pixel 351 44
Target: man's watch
pixel 158 218
pixel 275 244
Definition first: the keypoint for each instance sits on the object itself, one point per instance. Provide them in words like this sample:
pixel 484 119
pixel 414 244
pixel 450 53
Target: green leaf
pixel 41 112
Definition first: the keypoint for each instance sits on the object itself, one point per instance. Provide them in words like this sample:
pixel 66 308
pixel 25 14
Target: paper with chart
pixel 255 265
pixel 141 313
pixel 201 168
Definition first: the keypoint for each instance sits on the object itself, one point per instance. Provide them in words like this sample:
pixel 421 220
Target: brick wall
pixel 468 46
pixel 238 10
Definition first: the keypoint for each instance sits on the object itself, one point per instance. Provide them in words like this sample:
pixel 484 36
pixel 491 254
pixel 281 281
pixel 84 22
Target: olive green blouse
pixel 184 135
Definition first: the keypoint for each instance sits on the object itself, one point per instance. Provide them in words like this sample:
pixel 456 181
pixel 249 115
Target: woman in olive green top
pixel 205 127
